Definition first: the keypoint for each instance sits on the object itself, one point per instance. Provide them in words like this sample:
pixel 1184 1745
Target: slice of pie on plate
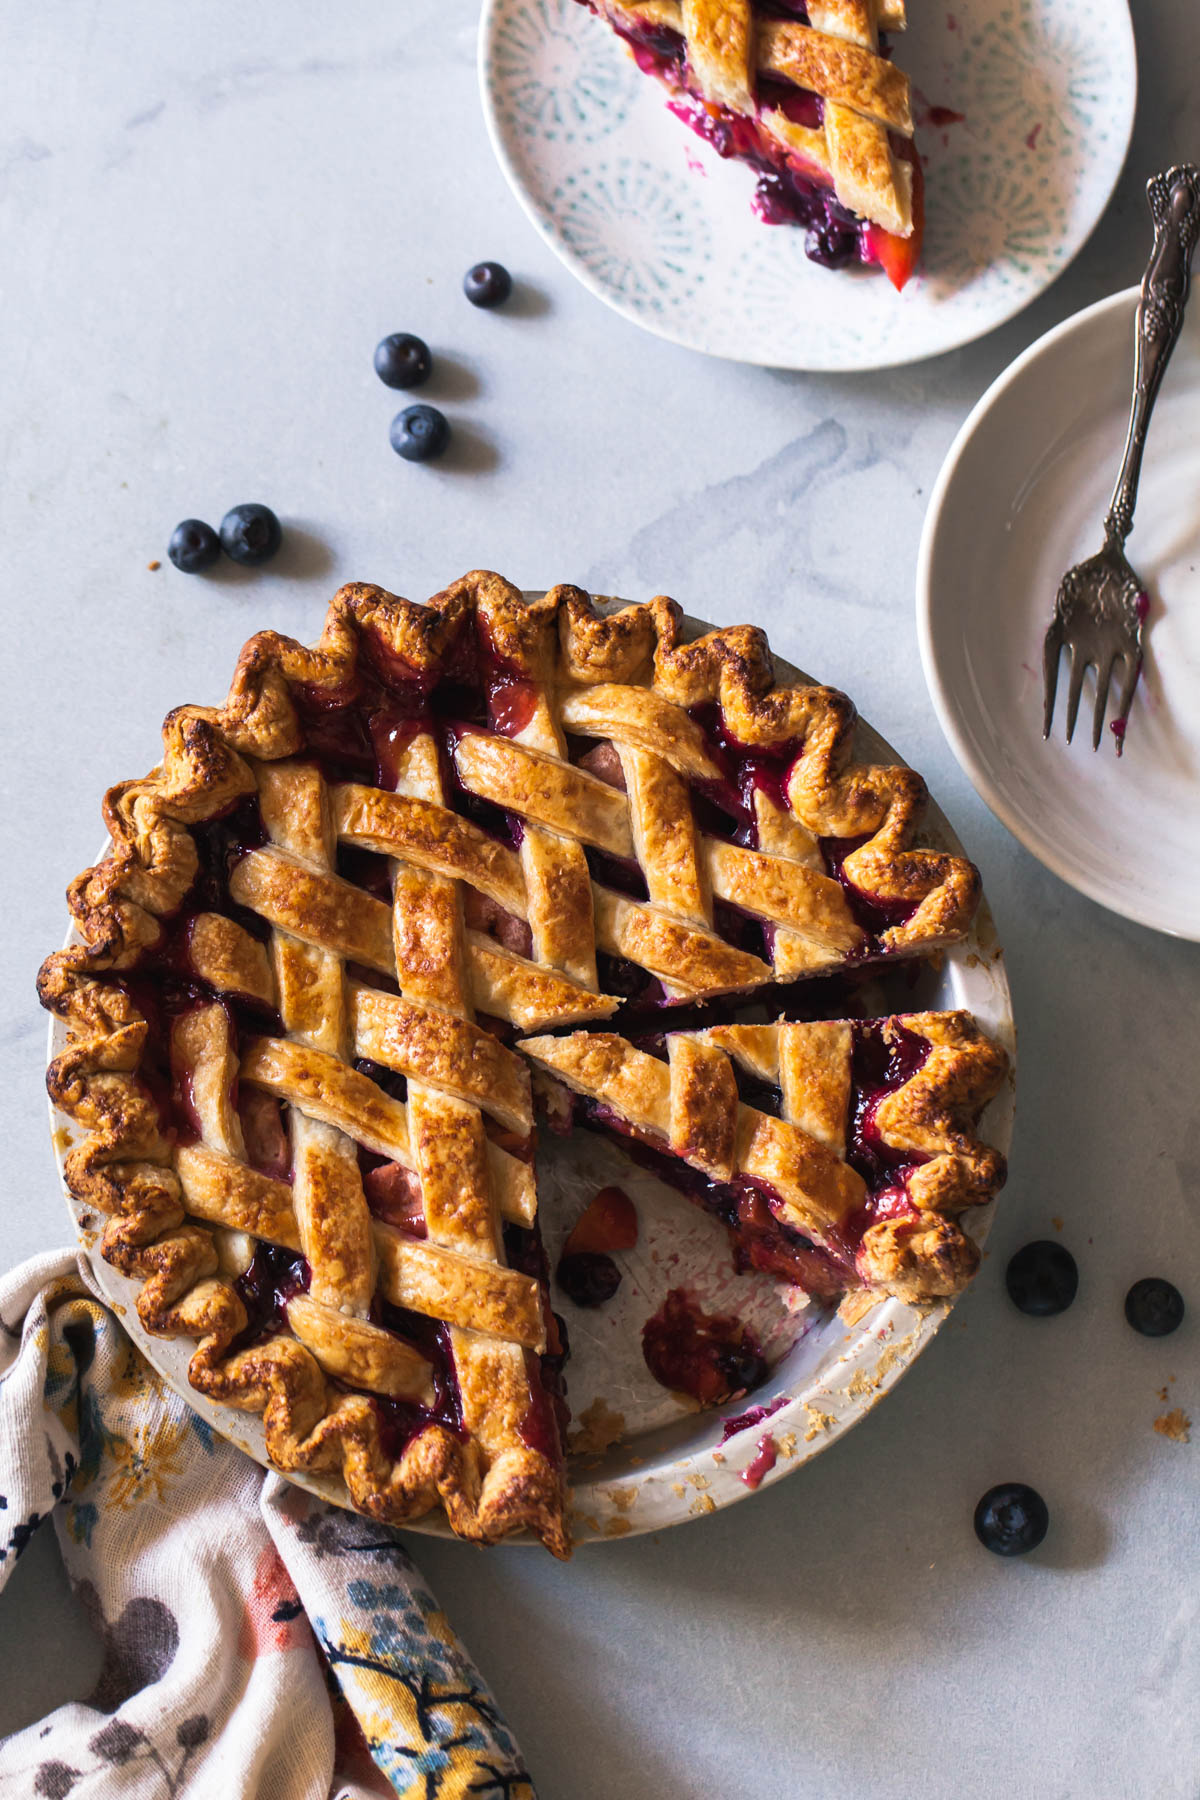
pixel 805 93
pixel 341 898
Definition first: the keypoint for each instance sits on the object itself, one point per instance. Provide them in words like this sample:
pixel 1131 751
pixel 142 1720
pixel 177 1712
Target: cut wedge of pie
pixel 838 1153
pixel 341 898
pixel 805 93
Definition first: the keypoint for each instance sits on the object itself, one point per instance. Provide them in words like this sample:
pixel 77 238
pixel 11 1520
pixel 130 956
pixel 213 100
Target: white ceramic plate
pixel 1020 499
pixel 670 1464
pixel 650 219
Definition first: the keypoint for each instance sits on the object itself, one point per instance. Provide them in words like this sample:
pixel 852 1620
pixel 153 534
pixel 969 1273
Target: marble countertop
pixel 210 216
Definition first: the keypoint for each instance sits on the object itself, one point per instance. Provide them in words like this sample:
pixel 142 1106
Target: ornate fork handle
pixel 1175 208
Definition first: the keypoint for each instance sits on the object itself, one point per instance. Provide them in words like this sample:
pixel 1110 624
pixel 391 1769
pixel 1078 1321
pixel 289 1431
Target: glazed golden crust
pixel 323 1087
pixel 318 908
pixel 430 837
pixel 223 1190
pixel 703 1119
pixel 915 1250
pixel 720 40
pixel 696 962
pixel 180 1216
pixel 544 789
pixel 848 74
pixel 451 1054
pixel 835 55
pixel 639 717
pixel 788 893
pixel 229 959
pixel 462 1289
pixel 361 1354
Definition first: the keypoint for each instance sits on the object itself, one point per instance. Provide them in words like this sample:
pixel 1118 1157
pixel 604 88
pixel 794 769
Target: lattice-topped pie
pixel 299 1018
pixel 805 92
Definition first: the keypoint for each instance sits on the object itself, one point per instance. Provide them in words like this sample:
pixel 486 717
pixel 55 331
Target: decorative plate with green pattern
pixel 650 219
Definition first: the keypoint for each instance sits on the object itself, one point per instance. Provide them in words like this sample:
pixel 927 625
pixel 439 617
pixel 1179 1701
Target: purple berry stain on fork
pixel 1102 604
pixel 1117 725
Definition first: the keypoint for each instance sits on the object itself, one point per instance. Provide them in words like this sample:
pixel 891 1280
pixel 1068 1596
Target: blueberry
pixel 402 360
pixel 193 546
pixel 1011 1519
pixel 419 433
pixel 1154 1307
pixel 589 1278
pixel 1042 1279
pixel 742 1367
pixel 250 534
pixel 487 284
pixel 832 245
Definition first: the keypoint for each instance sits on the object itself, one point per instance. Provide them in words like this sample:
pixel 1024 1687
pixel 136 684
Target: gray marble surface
pixel 209 216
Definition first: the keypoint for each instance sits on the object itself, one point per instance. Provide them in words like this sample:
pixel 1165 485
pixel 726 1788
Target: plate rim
pixel 489 19
pixel 977 773
pixel 877 1351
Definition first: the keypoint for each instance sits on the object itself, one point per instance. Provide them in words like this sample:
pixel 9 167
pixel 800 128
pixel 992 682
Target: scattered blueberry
pixel 589 1277
pixel 250 534
pixel 1042 1279
pixel 1154 1307
pixel 487 284
pixel 419 433
pixel 1011 1519
pixel 193 546
pixel 402 360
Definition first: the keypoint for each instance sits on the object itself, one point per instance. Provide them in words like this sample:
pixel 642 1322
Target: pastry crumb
pixel 855 1307
pixel 599 1426
pixel 617 1528
pixel 153 565
pixel 703 1503
pixel 678 1489
pixel 623 1498
pixel 787 1444
pixel 1174 1425
pixel 718 1456
pixel 1057 1224
pixel 821 1421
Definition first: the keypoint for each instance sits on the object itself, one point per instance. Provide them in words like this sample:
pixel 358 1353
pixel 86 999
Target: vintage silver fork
pixel 1102 603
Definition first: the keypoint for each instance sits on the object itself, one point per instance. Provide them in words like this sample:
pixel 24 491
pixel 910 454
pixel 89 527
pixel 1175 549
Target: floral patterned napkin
pixel 255 1640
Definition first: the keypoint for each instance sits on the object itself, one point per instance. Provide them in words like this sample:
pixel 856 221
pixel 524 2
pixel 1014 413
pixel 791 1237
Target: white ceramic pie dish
pixel 655 224
pixel 670 1464
pixel 1020 498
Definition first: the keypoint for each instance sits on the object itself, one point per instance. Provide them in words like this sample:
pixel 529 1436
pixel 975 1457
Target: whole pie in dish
pixel 805 92
pixel 351 909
